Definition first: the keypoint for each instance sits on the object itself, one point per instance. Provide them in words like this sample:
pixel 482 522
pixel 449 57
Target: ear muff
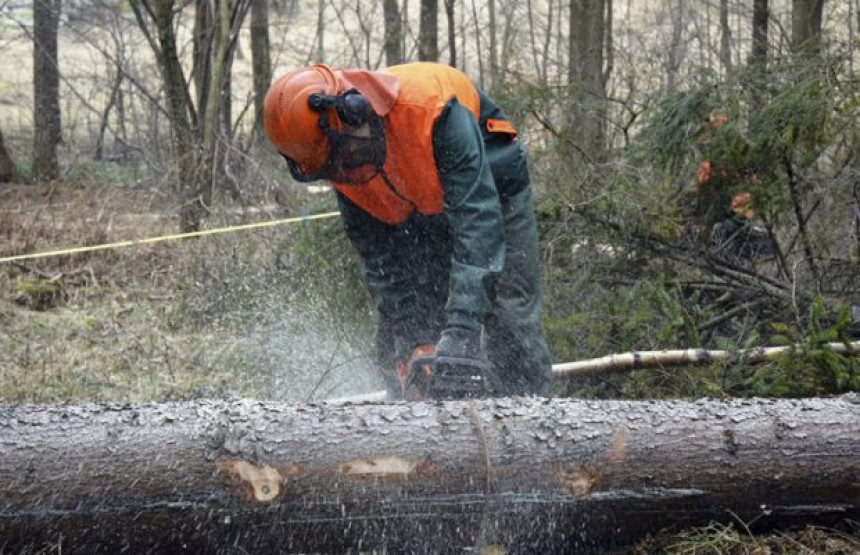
pixel 351 107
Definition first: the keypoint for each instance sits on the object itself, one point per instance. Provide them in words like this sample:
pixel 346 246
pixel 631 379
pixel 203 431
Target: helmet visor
pixel 356 160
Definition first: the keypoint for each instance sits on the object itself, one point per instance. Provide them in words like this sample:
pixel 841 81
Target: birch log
pixel 529 475
pixel 641 360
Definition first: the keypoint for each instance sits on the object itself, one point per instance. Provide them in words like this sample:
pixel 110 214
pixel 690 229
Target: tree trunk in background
pixel 114 100
pixel 393 33
pixel 180 110
pixel 677 51
pixel 852 32
pixel 586 128
pixel 725 38
pixel 47 131
pixel 198 157
pixel 494 46
pixel 428 42
pixel 204 35
pixel 260 59
pixel 758 53
pixel 319 51
pixel 806 26
pixel 480 56
pixel 8 171
pixel 761 15
pixel 452 32
pixel 527 475
pixel 212 107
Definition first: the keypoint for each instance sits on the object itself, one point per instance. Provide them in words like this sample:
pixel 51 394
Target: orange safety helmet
pixel 290 123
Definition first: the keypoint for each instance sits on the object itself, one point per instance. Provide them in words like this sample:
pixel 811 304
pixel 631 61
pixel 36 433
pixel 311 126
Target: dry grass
pixel 174 320
pixel 729 540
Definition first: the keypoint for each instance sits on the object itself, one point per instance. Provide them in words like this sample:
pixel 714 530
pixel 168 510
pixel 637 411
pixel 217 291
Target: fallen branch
pixel 643 360
pixel 638 360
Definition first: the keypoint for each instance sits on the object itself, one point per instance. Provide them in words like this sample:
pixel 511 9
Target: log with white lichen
pixel 528 475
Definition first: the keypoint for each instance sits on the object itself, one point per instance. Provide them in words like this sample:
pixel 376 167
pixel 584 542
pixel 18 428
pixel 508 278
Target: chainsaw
pixel 427 375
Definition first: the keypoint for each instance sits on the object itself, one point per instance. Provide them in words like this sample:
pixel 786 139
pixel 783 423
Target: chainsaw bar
pixel 446 379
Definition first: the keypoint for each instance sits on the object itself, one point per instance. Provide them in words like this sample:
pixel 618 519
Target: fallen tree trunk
pixel 534 475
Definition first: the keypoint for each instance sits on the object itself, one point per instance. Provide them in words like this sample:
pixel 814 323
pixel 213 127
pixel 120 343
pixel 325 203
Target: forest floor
pixel 143 323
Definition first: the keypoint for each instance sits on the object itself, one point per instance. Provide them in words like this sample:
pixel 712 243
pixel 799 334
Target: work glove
pixel 413 371
pixel 459 369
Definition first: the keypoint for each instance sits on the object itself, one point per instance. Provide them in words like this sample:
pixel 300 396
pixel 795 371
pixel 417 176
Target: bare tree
pixel 725 37
pixel 806 25
pixel 260 58
pixel 758 52
pixel 494 48
pixel 539 50
pixel 46 89
pixel 676 52
pixel 360 41
pixel 586 44
pixel 8 171
pixel 319 51
pixel 180 110
pixel 452 32
pixel 480 56
pixel 195 128
pixel 115 99
pixel 428 43
pixel 393 33
pixel 761 14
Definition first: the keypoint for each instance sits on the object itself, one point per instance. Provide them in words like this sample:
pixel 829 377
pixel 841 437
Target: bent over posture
pixel 434 192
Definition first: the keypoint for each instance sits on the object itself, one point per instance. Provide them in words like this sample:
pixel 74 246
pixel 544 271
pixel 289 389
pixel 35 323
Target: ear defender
pixel 352 108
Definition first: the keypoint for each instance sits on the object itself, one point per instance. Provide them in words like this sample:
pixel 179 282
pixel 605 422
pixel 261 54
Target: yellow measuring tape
pixel 150 240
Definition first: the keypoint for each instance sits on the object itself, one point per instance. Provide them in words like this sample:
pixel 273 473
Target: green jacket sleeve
pixel 474 215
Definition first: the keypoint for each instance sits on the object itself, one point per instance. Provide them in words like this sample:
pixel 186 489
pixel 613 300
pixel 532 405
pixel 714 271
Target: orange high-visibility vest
pixel 425 90
pixel 741 202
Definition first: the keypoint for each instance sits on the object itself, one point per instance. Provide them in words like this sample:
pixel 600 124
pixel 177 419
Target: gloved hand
pixel 459 369
pixel 404 369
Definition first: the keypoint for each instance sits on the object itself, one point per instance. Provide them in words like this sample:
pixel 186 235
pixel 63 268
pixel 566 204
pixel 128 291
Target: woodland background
pixel 133 119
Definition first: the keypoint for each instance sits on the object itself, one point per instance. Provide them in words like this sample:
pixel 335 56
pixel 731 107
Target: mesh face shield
pixel 353 159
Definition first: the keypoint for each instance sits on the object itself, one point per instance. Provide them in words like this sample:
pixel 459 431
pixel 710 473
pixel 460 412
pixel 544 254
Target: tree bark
pixel 760 18
pixel 758 54
pixel 428 31
pixel 586 43
pixel 452 32
pixel 480 56
pixel 260 60
pixel 319 49
pixel 535 475
pixel 195 126
pixel 806 18
pixel 725 38
pixel 46 90
pixel 494 48
pixel 393 33
pixel 8 170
